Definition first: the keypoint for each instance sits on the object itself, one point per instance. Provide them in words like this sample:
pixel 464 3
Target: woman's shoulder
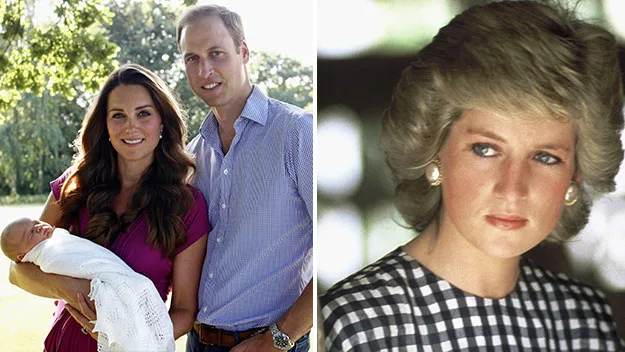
pixel 199 200
pixel 382 283
pixel 57 184
pixel 197 194
pixel 195 218
pixel 584 307
pixel 565 293
pixel 559 284
pixel 377 299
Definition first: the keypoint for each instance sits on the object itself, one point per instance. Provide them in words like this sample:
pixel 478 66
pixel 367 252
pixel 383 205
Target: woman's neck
pixel 451 257
pixel 130 173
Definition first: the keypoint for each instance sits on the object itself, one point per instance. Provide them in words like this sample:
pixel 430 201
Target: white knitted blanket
pixel 131 314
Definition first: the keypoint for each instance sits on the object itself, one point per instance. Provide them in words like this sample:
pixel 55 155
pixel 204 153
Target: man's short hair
pixel 231 20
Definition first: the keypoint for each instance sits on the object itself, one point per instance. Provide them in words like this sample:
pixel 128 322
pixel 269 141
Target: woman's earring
pixel 433 173
pixel 572 194
pixel 109 139
pixel 160 136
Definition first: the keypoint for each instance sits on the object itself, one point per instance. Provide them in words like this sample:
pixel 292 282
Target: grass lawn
pixel 25 318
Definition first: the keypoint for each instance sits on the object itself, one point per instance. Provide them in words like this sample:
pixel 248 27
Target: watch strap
pixel 281 340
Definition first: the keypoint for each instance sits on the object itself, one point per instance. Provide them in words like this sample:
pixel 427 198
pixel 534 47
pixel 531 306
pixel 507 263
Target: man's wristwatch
pixel 281 340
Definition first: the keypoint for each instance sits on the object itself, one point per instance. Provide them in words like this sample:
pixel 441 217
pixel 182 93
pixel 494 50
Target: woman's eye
pixel 117 115
pixel 217 53
pixel 143 113
pixel 547 159
pixel 483 150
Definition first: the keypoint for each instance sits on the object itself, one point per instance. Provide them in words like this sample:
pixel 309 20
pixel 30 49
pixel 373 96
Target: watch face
pixel 281 341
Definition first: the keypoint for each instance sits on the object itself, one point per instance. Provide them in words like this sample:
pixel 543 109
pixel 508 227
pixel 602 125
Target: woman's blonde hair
pixel 508 57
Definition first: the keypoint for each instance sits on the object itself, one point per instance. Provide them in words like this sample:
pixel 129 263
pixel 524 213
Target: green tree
pixel 45 71
pixel 35 142
pixel 52 55
pixel 283 78
pixel 50 72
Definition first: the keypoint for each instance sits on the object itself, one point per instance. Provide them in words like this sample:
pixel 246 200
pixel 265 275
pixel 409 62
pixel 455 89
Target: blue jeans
pixel 194 345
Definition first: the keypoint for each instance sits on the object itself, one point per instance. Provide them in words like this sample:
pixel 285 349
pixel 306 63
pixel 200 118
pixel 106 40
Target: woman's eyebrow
pixel 492 135
pixel 144 106
pixel 554 147
pixel 485 133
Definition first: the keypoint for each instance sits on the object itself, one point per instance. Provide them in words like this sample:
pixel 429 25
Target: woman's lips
pixel 506 222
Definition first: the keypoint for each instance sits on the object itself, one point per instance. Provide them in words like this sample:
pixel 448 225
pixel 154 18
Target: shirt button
pixel 225 171
pixel 218 239
pixel 211 275
pixel 204 309
pixel 223 206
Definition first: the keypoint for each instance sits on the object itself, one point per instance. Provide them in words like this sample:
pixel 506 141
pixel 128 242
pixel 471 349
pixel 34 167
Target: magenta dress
pixel 130 246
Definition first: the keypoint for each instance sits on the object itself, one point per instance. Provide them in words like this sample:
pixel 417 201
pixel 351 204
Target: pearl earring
pixel 433 173
pixel 572 194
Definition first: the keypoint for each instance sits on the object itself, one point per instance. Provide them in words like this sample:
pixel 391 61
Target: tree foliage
pixel 44 69
pixel 283 78
pixel 50 71
pixel 33 143
pixel 52 56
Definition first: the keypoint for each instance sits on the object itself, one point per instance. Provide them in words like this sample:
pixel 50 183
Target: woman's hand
pixel 85 315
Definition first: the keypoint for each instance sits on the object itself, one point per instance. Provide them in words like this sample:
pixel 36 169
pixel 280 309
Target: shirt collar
pixel 256 109
pixel 256 106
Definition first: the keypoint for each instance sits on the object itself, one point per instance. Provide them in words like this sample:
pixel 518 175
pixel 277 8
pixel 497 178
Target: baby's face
pixel 29 233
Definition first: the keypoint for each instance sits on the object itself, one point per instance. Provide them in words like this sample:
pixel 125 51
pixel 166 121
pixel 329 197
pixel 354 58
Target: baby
pixel 131 314
pixel 20 236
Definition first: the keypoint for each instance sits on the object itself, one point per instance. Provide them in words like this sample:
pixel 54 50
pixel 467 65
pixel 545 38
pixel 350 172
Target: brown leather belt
pixel 210 335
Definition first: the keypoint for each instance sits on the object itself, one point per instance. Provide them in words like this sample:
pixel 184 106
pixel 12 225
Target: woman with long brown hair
pixel 127 190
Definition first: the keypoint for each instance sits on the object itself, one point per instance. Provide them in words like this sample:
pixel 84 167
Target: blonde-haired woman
pixel 496 135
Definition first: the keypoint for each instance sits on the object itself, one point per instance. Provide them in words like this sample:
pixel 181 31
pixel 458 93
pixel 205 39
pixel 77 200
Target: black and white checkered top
pixel 396 304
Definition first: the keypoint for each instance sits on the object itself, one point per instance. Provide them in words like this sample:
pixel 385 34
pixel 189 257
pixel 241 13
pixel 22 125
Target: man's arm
pixel 299 163
pixel 296 322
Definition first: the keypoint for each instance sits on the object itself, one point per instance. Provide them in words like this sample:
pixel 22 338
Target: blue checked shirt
pixel 260 207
